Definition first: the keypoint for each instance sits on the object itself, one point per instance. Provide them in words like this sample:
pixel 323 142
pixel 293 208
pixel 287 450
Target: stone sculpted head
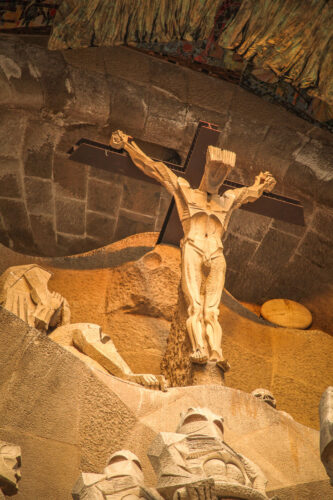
pixel 10 463
pixel 201 422
pixel 124 463
pixel 218 163
pixel 265 395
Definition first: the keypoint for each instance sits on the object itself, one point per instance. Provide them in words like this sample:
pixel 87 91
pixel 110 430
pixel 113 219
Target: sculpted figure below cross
pixel 204 215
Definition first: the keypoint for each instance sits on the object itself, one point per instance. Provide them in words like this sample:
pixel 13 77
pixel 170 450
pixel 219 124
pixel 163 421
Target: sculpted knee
pixel 211 315
pixel 195 310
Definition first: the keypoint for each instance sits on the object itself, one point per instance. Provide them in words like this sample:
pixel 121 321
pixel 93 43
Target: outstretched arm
pixel 156 170
pixel 263 182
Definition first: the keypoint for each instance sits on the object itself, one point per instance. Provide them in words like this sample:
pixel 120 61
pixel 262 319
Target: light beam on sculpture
pixel 204 216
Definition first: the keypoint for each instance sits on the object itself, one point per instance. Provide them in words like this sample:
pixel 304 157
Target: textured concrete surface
pixel 67 416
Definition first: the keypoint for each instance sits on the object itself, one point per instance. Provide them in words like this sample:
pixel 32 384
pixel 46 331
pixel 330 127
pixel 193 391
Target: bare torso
pixel 204 217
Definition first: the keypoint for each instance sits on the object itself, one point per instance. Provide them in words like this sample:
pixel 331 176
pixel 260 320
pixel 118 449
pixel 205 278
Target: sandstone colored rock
pixel 53 405
pixel 98 350
pixel 122 478
pixel 195 457
pixel 24 292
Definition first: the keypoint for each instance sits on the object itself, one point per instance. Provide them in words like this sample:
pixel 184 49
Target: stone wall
pixel 52 206
pixel 67 417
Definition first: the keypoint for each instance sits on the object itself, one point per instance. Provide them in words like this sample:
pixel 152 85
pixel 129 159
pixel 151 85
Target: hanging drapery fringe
pixel 81 23
pixel 292 38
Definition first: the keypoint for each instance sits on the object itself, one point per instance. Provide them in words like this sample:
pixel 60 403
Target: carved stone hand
pixel 266 179
pixel 118 139
pixel 150 381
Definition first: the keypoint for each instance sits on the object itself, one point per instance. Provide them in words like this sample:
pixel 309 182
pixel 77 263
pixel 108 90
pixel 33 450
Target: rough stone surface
pixel 54 99
pixel 57 407
pixel 70 216
pixel 140 296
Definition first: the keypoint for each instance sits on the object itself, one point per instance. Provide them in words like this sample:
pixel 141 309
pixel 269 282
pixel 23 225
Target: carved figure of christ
pixel 204 215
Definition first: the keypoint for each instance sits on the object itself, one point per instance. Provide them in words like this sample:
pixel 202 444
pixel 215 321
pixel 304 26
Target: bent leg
pixel 214 288
pixel 191 285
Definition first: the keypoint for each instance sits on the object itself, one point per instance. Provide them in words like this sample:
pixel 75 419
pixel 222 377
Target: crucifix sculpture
pixel 203 201
pixel 105 157
pixel 204 215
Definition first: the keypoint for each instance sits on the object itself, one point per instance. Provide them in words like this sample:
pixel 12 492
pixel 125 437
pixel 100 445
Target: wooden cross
pixel 101 156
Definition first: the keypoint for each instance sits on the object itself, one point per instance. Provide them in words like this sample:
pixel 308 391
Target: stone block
pixel 251 285
pixel 315 155
pixel 105 175
pixel 69 244
pixel 251 108
pixel 295 229
pixel 209 92
pixel 302 178
pixel 9 185
pixel 282 141
pixel 43 234
pixel 70 216
pixel 127 63
pixel 238 251
pixel 318 250
pixel 140 196
pixel 100 227
pixel 289 391
pixel 275 251
pixel 92 97
pixel 248 224
pixel 54 78
pixel 162 104
pixel 89 59
pixel 39 148
pixel 243 137
pixel 132 223
pixel 322 222
pixel 243 362
pixel 16 221
pixel 315 177
pixel 70 177
pixel 39 163
pixel 104 197
pixel 129 106
pixel 315 490
pixel 20 76
pixel 308 276
pixel 39 195
pixel 172 78
pixel 167 132
pixel 12 130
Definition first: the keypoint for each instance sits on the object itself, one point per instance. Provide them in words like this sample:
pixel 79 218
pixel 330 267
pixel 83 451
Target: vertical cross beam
pixel 206 135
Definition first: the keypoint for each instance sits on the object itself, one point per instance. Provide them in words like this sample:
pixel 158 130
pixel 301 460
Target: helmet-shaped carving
pixel 265 395
pixel 201 421
pixel 124 463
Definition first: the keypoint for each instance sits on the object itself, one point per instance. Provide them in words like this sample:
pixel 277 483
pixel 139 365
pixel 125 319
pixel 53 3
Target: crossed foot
pixel 200 357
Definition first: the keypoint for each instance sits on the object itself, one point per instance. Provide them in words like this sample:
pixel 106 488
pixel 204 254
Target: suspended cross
pixel 104 157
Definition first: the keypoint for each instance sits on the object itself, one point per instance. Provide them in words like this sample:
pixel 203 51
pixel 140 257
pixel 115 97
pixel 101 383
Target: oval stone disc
pixel 287 313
